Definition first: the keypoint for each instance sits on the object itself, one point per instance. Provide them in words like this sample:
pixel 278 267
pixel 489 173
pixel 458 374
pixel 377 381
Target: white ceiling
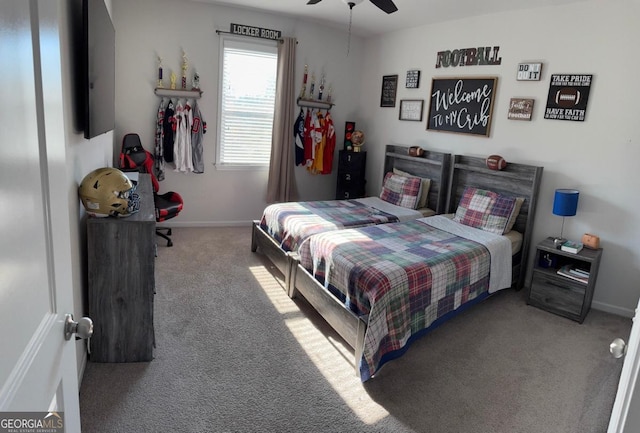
pixel 369 20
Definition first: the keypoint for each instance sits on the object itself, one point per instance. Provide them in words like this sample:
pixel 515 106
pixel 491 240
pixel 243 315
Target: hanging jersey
pixel 318 142
pixel 308 141
pixel 329 145
pixel 158 157
pixel 298 138
pixel 182 147
pixel 198 129
pixel 169 130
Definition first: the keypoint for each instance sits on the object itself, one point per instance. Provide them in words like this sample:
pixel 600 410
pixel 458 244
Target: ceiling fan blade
pixel 386 5
pixel 312 2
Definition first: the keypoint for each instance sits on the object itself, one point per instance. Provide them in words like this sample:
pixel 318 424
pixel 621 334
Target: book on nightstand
pixel 572 247
pixel 573 273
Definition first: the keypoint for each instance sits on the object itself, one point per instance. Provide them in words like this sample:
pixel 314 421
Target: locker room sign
pixel 255 32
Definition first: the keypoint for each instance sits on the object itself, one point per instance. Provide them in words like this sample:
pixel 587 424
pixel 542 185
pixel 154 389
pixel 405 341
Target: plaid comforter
pixel 291 223
pixel 405 276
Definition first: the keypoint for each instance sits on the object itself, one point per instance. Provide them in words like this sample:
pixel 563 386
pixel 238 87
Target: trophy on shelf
pixel 321 87
pixel 313 85
pixel 173 80
pixel 159 84
pixel 357 139
pixel 195 84
pixel 184 70
pixel 303 91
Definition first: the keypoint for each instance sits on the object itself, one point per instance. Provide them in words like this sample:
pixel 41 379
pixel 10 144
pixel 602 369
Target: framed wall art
pixel 462 104
pixel 568 97
pixel 520 109
pixel 413 79
pixel 389 88
pixel 411 109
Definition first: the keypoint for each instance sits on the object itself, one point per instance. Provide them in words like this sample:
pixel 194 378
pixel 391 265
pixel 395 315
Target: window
pixel 247 99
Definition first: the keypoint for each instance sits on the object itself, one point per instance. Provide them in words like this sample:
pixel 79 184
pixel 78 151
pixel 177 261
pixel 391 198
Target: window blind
pixel 247 103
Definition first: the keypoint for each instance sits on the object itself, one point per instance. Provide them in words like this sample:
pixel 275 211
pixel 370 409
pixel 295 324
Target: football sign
pixel 568 97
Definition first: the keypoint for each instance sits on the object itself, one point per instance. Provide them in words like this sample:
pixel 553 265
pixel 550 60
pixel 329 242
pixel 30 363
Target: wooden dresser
pixel 121 255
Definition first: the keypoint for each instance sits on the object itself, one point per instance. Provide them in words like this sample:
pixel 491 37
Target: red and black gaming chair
pixel 168 205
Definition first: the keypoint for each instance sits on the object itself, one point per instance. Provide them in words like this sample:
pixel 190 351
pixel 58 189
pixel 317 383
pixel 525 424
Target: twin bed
pixel 383 284
pixel 285 226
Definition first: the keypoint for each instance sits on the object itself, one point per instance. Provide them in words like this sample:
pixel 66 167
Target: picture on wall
pixel 389 88
pixel 462 104
pixel 568 97
pixel 413 79
pixel 411 109
pixel 520 109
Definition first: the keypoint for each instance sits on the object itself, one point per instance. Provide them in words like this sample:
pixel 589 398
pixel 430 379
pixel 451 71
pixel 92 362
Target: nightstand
pixel 559 294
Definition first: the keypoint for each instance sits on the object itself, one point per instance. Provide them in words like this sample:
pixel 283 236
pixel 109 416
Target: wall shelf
pixel 314 103
pixel 179 93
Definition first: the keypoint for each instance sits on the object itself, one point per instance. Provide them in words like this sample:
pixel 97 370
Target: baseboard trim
pixel 613 309
pixel 83 362
pixel 206 224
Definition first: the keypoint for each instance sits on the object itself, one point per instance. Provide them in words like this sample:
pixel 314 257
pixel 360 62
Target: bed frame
pixel 515 180
pixel 433 165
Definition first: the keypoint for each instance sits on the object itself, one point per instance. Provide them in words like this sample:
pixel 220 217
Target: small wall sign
pixel 568 97
pixel 388 93
pixel 411 109
pixel 413 79
pixel 255 32
pixel 529 71
pixel 468 57
pixel 520 109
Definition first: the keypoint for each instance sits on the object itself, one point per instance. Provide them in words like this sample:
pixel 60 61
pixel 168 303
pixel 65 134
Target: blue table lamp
pixel 565 204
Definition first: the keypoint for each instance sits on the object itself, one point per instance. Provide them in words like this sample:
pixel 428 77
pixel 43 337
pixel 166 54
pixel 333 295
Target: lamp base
pixel 558 242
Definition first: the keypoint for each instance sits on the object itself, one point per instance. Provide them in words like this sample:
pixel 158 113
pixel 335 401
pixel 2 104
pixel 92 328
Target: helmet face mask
pixel 107 192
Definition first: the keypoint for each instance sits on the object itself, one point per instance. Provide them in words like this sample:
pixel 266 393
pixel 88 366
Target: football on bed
pixel 496 162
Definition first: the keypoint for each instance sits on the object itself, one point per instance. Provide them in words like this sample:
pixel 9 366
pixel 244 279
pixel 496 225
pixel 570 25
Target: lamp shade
pixel 565 202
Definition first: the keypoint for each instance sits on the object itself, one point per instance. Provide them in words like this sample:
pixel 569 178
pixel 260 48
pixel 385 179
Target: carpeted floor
pixel 235 354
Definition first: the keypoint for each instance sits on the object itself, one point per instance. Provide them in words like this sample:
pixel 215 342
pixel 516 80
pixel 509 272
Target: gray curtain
pixel 281 186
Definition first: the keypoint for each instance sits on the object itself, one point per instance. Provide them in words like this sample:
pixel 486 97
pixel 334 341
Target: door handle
pixel 618 348
pixel 83 328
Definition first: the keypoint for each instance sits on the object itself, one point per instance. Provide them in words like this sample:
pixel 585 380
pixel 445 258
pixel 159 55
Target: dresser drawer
pixel 352 160
pixel 349 193
pixel 350 177
pixel 557 293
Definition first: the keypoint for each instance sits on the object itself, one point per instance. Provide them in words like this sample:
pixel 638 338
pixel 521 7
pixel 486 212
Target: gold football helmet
pixel 106 192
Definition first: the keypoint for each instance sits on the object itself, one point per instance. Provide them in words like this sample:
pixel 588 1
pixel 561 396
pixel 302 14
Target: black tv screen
pixel 99 76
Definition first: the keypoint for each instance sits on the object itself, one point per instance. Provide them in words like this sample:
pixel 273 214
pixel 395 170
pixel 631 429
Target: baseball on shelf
pixel 496 162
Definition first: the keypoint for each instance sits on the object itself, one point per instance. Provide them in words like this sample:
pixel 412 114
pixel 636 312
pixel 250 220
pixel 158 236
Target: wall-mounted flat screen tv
pixel 99 77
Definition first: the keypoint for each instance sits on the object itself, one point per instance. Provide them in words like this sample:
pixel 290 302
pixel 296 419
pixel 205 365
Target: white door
pixel 38 371
pixel 625 416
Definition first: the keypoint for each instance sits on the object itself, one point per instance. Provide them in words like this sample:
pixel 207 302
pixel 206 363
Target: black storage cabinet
pixel 351 172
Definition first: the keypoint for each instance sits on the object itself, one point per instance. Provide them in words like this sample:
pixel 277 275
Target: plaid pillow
pixel 485 210
pixel 401 191
pixel 426 184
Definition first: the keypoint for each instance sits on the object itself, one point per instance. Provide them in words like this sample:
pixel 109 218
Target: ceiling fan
pixel 385 5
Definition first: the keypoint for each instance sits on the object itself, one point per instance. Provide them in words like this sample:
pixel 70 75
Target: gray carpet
pixel 234 354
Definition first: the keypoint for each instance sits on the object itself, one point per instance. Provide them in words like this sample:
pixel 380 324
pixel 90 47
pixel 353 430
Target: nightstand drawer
pixel 556 293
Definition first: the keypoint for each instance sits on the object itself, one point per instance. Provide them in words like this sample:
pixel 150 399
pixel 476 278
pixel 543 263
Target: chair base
pixel 165 236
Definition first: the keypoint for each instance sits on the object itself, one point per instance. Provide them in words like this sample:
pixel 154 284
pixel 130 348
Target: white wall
pixel 146 29
pixel 82 157
pixel 598 156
